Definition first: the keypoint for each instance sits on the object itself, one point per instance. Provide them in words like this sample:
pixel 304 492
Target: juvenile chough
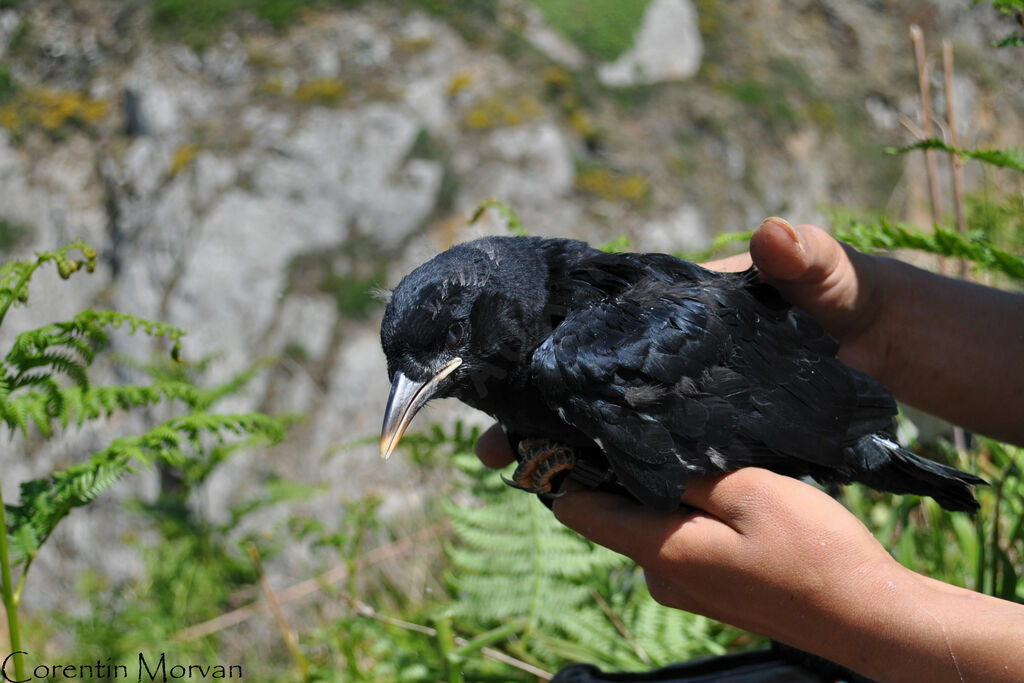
pixel 640 371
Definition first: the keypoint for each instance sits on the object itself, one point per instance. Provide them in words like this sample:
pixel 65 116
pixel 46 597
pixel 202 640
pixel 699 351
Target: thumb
pixel 815 272
pixel 801 254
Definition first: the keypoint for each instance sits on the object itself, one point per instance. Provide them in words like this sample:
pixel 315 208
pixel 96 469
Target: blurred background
pixel 252 170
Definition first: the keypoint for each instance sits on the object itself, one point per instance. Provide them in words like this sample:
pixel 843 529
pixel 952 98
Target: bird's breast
pixel 523 411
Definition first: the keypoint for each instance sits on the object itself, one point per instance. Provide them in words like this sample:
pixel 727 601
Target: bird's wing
pixel 681 379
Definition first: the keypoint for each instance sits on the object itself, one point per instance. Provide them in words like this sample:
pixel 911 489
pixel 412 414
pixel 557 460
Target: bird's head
pixel 461 325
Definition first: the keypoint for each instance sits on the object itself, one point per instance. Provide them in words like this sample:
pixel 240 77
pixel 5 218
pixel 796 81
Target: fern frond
pixel 16 274
pixel 1010 157
pixel 80 404
pixel 69 348
pixel 1011 41
pixel 885 235
pixel 36 369
pixel 511 558
pixel 45 502
pixel 668 635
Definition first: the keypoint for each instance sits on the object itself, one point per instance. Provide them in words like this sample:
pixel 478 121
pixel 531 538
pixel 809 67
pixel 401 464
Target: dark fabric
pixel 780 664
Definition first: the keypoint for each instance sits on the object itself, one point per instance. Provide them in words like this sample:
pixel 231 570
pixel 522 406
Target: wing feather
pixel 688 373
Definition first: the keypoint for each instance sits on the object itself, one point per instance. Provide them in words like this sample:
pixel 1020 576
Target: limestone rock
pixel 668 47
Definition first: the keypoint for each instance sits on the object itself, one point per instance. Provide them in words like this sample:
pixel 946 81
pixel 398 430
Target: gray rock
pixel 213 174
pixel 683 230
pixel 526 165
pixel 9 22
pixel 668 47
pixel 146 162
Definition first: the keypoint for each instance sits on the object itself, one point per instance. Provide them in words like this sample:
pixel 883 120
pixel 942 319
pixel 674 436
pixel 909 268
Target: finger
pixel 613 521
pixel 493 448
pixel 729 264
pixel 627 527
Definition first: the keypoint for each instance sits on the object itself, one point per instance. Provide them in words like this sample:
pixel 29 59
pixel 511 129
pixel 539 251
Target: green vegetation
pixel 1010 157
pixel 1011 8
pixel 515 595
pixel 518 572
pixel 12 233
pixel 1000 220
pixel 480 583
pixel 602 28
pixel 8 86
pixel 200 23
pixel 764 99
pixel 193 23
pixel 45 387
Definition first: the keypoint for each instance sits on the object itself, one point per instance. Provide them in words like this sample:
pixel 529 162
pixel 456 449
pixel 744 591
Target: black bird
pixel 640 371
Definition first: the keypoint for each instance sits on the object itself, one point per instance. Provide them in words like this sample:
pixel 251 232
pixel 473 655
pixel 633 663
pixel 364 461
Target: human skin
pixel 778 557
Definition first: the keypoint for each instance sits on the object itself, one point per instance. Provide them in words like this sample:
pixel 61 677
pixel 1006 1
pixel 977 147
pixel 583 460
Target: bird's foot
pixel 540 461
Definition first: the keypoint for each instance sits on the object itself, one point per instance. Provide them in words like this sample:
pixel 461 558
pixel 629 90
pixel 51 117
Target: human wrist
pixel 902 626
pixel 862 619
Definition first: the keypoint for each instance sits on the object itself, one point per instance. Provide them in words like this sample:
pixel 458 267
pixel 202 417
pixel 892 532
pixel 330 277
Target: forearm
pixel 952 348
pixel 904 627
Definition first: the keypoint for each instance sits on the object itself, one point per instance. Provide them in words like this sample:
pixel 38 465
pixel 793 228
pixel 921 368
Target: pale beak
pixel 407 397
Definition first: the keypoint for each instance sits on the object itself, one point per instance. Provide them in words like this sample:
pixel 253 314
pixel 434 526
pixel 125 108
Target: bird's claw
pixel 540 460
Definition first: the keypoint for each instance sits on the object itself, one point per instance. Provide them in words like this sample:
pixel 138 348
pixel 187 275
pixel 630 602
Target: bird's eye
pixel 456 334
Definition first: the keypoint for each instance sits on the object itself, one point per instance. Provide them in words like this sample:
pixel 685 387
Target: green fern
pixel 44 381
pixel 16 274
pixel 67 349
pixel 883 234
pixel 511 559
pixel 647 634
pixel 44 502
pixel 1010 157
pixel 514 559
pixel 1013 8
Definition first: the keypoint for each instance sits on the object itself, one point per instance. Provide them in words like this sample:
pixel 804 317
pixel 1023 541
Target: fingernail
pixel 787 228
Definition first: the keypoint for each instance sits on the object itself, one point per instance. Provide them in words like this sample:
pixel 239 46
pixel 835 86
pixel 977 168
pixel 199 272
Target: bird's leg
pixel 540 460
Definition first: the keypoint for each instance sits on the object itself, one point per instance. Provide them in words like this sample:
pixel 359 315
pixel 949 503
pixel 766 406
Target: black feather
pixel 653 367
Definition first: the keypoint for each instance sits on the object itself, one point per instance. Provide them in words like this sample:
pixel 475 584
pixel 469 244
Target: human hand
pixel 761 551
pixel 835 283
pixel 779 557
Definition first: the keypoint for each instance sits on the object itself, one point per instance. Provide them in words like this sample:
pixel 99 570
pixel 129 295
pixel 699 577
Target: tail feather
pixel 887 466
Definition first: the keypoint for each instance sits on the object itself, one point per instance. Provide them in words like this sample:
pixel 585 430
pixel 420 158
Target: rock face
pixel 253 190
pixel 668 47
